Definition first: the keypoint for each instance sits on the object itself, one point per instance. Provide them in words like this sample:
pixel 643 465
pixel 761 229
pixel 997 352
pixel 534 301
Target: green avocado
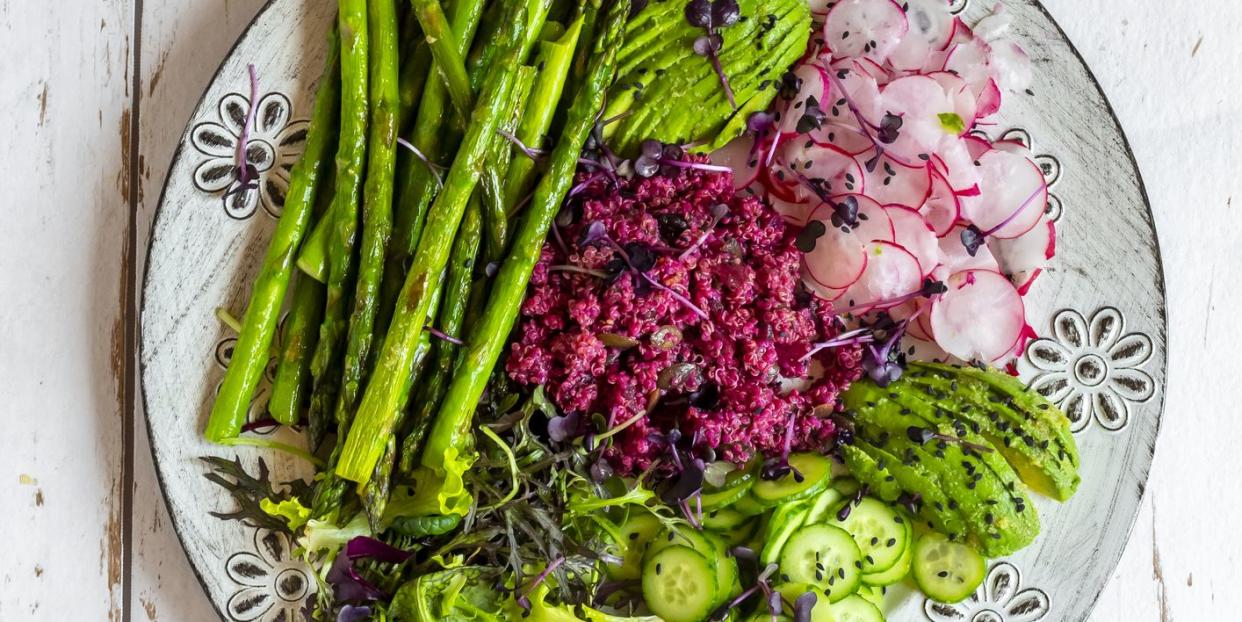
pixel 937 510
pixel 1000 518
pixel 664 91
pixel 1028 430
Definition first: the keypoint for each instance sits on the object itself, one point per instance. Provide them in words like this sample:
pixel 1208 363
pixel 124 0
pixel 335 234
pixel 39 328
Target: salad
pixel 683 311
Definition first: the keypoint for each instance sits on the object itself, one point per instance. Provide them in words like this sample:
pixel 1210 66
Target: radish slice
pixel 814 84
pixel 954 258
pixel 942 207
pixel 794 213
pixel 1014 195
pixel 870 28
pixel 825 166
pixel 827 293
pixel 741 156
pixel 859 89
pixel 976 145
pixel 931 26
pixel 844 133
pixel 1014 146
pixel 959 166
pixel 874 222
pixel 980 317
pixel 891 272
pixel 889 181
pixel 919 101
pixel 916 235
pixel 1011 66
pixel 965 104
pixel 838 259
pixel 969 60
pixel 1024 257
pixel 989 102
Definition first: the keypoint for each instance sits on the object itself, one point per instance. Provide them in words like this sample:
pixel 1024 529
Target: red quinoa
pixel 577 330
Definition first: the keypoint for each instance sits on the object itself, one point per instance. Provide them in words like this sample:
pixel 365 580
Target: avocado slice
pixel 937 510
pixel 999 517
pixel 879 481
pixel 664 91
pixel 1028 430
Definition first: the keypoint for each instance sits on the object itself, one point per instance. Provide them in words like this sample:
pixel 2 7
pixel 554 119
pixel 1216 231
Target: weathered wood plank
pixel 183 43
pixel 66 72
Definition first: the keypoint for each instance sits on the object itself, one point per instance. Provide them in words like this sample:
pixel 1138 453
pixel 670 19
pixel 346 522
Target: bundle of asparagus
pixel 414 252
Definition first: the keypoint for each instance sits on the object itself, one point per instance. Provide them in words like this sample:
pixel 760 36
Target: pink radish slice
pixel 844 133
pixel 825 165
pixel 989 102
pixel 1014 195
pixel 857 88
pixel 995 25
pixel 874 222
pixel 870 28
pixel 1015 147
pixel 980 317
pixel 931 26
pixel 965 104
pixel 838 259
pixel 959 166
pixel 891 182
pixel 969 60
pixel 961 33
pixel 1011 66
pixel 891 272
pixel 954 258
pixel 919 101
pixel 794 213
pixel 820 7
pixel 741 156
pixel 875 70
pixel 1023 257
pixel 814 84
pixel 976 145
pixel 916 235
pixel 813 286
pixel 942 207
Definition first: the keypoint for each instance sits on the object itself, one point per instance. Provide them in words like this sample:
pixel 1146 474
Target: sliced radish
pixel 916 235
pixel 1014 146
pixel 942 207
pixel 959 166
pixel 741 156
pixel 976 145
pixel 838 259
pixel 919 101
pixel 989 102
pixel 954 258
pixel 931 26
pixel 814 85
pixel 970 61
pixel 826 166
pixel 995 25
pixel 844 133
pixel 874 222
pixel 980 317
pixel 1014 195
pixel 1024 257
pixel 856 90
pixel 891 272
pixel 813 286
pixel 1011 66
pixel 871 28
pixel 965 104
pixel 890 181
pixel 794 213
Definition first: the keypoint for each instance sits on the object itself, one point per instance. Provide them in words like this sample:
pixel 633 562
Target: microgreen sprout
pixel 711 16
pixel 437 171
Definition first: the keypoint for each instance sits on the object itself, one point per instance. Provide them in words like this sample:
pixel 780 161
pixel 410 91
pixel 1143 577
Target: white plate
pixel 1100 309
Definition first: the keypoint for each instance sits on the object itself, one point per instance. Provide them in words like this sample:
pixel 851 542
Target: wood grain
pixel 66 96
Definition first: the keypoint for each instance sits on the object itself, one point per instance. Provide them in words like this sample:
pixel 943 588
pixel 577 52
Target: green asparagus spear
pixel 250 354
pixel 342 237
pixel 555 59
pixel 418 183
pixel 292 383
pixel 378 410
pixel 377 199
pixel 313 258
pixel 447 53
pixel 449 444
pixel 492 186
pixel 414 67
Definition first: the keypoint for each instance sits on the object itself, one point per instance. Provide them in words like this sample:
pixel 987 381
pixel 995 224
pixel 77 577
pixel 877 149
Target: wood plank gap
pixel 131 327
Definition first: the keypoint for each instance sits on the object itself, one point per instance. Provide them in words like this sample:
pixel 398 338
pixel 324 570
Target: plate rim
pixel 1147 214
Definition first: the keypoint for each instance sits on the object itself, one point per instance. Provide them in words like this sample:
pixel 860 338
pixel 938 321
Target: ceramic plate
pixel 1100 312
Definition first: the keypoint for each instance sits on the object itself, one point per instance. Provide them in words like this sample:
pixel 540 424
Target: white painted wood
pixel 183 42
pixel 65 72
pixel 66 215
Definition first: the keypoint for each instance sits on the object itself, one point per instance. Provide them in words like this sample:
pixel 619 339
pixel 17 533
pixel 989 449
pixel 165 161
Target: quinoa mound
pixel 612 322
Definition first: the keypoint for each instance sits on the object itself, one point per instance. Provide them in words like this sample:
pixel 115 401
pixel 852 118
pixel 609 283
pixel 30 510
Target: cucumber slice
pixel 811 473
pixel 873 594
pixel 741 534
pixel 723 519
pixel 855 608
pixel 749 506
pixel 824 556
pixel 636 534
pixel 947 572
pixel 847 485
pixel 679 585
pixel 881 533
pixel 781 525
pixel 894 575
pixel 824 502
pixel 736 485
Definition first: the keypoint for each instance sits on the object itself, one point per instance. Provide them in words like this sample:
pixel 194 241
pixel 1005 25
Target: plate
pixel 1100 313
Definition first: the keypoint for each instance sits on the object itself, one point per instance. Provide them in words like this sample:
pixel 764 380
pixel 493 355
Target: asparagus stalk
pixel 377 199
pixel 250 354
pixel 447 53
pixel 555 59
pixel 492 186
pixel 313 258
pixel 451 435
pixel 419 183
pixel 378 409
pixel 290 388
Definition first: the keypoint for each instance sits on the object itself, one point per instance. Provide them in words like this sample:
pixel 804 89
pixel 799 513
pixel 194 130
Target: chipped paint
pixel 27 480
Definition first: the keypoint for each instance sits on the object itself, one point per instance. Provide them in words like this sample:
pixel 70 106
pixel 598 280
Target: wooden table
pixel 95 94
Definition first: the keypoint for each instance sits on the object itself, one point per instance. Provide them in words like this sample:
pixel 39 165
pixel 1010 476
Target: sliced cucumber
pixel 848 486
pixel 723 519
pixel 741 534
pixel 736 485
pixel 636 534
pixel 811 473
pixel 679 585
pixel 823 503
pixel 787 519
pixel 749 506
pixel 881 533
pixel 894 575
pixel 873 594
pixel 855 608
pixel 947 572
pixel 682 536
pixel 824 556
